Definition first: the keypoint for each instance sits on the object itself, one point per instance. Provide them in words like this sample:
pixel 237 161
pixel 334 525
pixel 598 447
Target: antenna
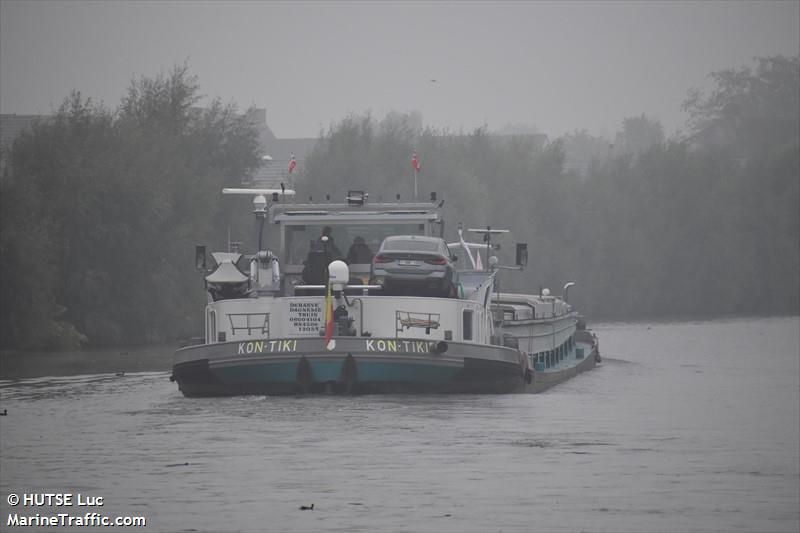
pixel 489 231
pixel 255 192
pixel 260 203
pixel 487 237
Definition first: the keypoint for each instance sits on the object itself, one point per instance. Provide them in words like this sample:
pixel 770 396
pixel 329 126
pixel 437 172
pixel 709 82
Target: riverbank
pixel 20 364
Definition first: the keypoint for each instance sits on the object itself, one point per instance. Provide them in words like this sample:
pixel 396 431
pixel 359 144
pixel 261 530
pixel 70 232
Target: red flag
pixel 415 162
pixel 292 164
pixel 330 342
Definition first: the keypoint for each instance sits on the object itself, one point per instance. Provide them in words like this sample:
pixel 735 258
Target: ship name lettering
pixel 264 347
pixel 393 345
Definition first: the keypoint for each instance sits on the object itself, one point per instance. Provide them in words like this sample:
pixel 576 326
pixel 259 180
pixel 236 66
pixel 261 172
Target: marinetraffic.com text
pixel 64 510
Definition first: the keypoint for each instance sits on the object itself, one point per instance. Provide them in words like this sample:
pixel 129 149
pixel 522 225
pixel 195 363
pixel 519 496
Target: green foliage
pixel 772 90
pixel 659 228
pixel 638 135
pixel 365 154
pixel 582 150
pixel 101 211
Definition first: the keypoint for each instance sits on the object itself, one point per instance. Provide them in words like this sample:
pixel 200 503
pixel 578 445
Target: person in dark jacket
pixel 327 240
pixel 359 252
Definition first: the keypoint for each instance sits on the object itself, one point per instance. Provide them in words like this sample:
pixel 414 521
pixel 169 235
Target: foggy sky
pixel 556 66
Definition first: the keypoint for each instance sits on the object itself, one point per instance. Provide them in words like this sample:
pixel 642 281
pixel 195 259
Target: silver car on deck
pixel 415 265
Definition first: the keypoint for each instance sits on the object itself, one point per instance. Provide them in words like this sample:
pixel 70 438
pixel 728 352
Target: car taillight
pixel 436 261
pixel 381 259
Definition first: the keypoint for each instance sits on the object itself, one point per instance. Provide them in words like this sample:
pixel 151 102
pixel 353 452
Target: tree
pixel 771 91
pixel 638 135
pixel 581 150
pixel 101 211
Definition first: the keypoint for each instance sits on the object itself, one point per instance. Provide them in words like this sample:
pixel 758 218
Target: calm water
pixel 685 427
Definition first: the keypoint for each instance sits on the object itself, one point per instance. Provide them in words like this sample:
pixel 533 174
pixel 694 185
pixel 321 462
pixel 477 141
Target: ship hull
pixel 571 367
pixel 365 366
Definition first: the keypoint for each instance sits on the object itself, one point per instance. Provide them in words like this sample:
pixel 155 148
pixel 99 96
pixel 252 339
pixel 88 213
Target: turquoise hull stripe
pixel 258 373
pixel 326 371
pixel 417 373
pixel 331 371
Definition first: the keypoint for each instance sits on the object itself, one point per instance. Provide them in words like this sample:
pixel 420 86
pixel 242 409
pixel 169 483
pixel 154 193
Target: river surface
pixel 686 426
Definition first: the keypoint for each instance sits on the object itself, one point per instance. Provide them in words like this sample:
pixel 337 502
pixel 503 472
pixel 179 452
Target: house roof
pixel 272 173
pixel 276 171
pixel 283 149
pixel 280 149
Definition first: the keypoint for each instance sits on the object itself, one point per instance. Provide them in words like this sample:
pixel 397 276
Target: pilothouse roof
pixel 329 212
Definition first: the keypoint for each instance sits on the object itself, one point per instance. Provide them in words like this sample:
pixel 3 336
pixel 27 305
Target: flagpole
pixel 415 165
pixel 330 342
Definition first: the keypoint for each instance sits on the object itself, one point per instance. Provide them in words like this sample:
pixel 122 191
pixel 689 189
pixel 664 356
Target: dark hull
pixel 544 380
pixel 228 369
pixel 196 385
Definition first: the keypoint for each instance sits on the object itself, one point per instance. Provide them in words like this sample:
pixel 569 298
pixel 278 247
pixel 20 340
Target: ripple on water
pixel 640 444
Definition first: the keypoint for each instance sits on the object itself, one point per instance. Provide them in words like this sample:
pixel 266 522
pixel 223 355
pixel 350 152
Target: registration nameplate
pixel 407 263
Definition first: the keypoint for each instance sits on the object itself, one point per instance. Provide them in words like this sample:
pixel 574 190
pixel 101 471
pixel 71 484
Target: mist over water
pixel 686 426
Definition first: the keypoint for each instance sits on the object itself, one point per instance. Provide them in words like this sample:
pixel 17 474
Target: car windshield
pixel 421 246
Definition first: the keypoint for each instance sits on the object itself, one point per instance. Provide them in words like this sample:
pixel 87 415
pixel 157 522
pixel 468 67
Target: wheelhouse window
pixel 299 238
pixel 466 324
pixel 212 327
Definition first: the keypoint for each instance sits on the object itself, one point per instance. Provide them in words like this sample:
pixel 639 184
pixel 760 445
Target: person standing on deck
pixel 327 240
pixel 359 252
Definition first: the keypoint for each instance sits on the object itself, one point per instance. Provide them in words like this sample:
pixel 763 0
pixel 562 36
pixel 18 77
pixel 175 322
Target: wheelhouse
pixel 301 225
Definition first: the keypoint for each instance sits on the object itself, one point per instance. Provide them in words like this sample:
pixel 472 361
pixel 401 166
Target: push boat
pixel 294 321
